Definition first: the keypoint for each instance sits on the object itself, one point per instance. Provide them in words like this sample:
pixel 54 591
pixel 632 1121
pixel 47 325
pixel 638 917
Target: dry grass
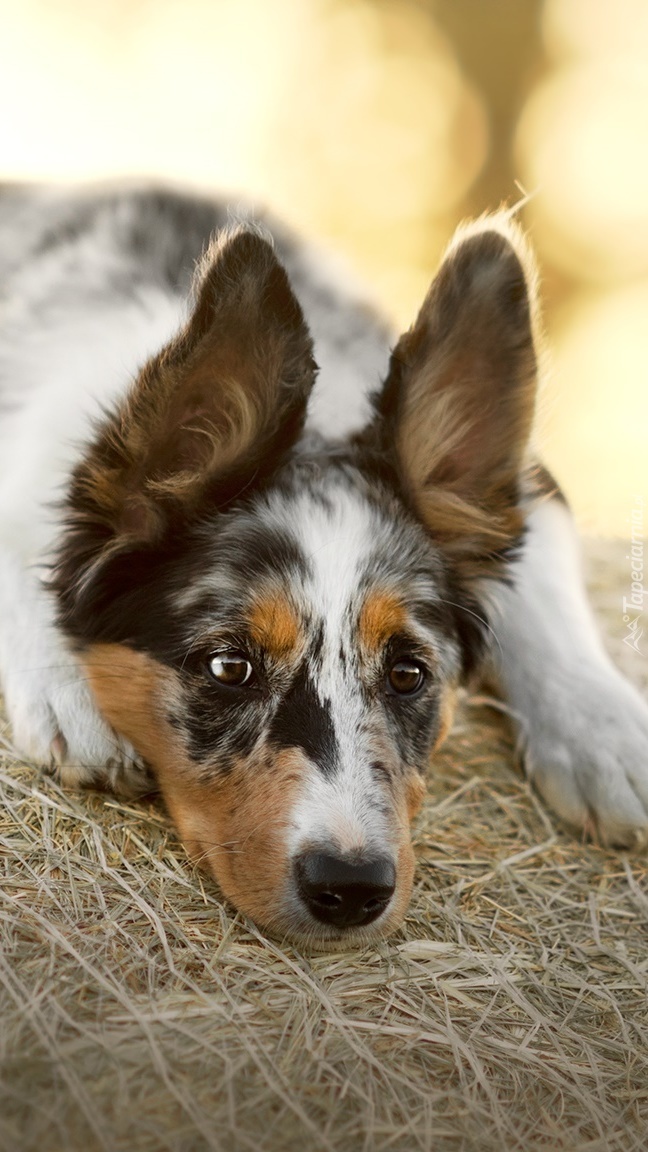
pixel 136 1012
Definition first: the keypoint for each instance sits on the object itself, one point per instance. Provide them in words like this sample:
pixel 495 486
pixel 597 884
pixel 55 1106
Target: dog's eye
pixel 405 677
pixel 230 668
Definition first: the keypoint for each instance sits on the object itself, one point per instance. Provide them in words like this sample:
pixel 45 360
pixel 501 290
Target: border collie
pixel 257 584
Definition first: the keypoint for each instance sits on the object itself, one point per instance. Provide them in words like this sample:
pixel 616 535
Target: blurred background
pixel 375 126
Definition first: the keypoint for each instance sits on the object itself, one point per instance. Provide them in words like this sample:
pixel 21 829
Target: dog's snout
pixel 343 892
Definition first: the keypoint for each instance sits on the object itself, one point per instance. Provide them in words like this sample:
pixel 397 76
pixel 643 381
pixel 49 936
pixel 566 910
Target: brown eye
pixel 405 677
pixel 232 669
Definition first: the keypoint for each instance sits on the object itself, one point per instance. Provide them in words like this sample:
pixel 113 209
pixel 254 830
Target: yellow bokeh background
pixel 375 126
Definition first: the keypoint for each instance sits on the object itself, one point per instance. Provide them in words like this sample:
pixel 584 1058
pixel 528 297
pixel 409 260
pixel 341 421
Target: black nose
pixel 343 892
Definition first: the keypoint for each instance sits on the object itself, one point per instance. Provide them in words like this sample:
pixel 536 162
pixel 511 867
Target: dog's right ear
pixel 213 408
pixel 212 413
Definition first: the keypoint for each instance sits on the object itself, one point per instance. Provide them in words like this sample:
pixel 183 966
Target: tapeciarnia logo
pixel 633 604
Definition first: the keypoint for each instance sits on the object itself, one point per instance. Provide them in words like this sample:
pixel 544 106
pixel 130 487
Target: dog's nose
pixel 342 892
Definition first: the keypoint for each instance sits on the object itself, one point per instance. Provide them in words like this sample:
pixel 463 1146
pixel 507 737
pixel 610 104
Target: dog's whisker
pixel 470 612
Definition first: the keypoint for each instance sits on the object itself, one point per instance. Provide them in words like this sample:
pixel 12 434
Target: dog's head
pixel 279 625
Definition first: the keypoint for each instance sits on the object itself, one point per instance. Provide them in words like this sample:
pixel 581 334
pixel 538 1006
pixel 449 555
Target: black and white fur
pixel 93 285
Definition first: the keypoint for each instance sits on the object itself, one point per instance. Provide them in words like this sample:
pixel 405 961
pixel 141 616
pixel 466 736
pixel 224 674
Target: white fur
pixel 70 369
pixel 584 728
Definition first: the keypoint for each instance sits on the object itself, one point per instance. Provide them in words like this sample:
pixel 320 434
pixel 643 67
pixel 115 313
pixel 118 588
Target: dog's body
pixel 265 609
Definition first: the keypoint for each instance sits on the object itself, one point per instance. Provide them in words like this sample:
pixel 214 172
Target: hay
pixel 511 1012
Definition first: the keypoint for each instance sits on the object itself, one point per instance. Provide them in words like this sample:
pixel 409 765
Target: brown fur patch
pixel 274 625
pixel 129 688
pixel 414 794
pixel 382 615
pixel 405 861
pixel 236 825
pixel 447 708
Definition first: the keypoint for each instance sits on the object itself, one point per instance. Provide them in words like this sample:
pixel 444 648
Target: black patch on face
pixel 221 724
pixel 303 721
pixel 413 725
pixel 259 551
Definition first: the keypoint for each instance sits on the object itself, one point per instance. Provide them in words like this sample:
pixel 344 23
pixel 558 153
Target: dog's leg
pixel 584 728
pixel 53 717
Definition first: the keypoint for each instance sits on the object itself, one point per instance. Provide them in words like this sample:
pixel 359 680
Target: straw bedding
pixel 511 1012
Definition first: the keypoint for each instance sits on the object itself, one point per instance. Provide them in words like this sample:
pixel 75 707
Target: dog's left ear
pixel 457 407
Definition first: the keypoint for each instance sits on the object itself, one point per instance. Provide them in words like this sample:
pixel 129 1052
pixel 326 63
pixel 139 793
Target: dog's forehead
pixel 321 546
pixel 340 538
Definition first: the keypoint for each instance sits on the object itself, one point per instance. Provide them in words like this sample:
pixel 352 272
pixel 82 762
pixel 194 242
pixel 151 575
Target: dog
pixel 257 586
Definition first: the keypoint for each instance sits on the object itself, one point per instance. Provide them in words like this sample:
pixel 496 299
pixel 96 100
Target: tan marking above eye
pixel 274 625
pixel 382 614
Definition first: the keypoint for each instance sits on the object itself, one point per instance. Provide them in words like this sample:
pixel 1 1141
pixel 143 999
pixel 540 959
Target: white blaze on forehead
pixel 337 536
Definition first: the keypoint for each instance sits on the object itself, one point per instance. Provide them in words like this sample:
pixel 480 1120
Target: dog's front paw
pixel 587 753
pixel 55 724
